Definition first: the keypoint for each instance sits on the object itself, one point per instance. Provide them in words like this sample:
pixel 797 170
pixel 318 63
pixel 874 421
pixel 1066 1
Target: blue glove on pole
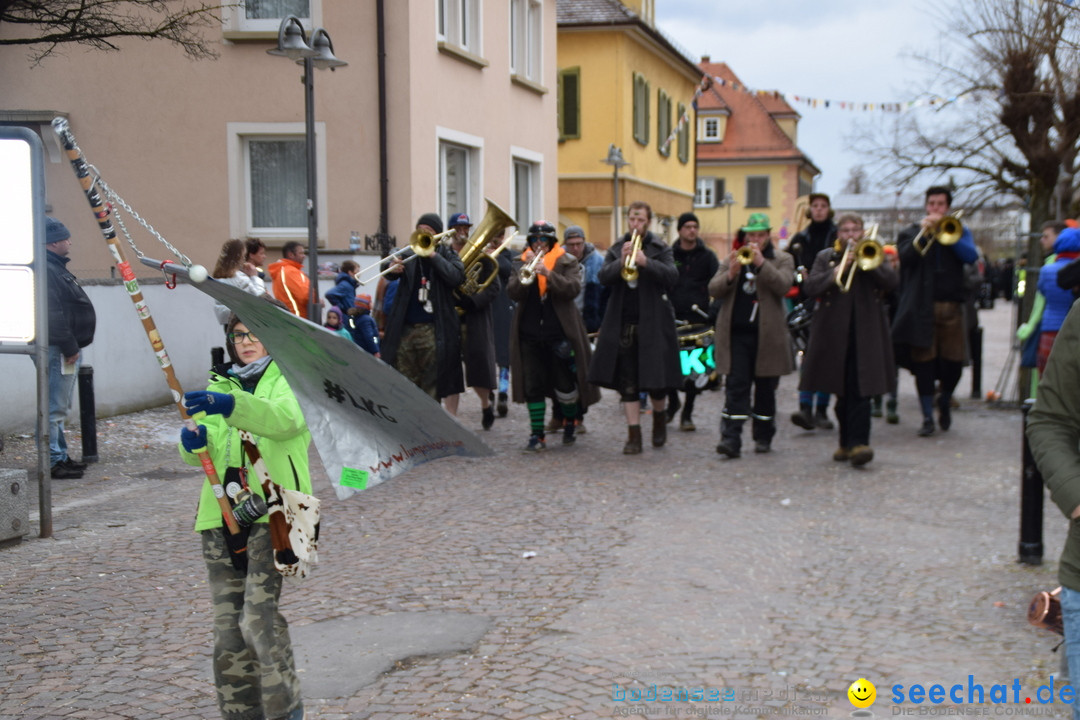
pixel 193 440
pixel 211 403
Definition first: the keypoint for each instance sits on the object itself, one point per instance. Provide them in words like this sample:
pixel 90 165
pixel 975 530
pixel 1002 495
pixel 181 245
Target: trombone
pixel 421 243
pixel 867 255
pixel 630 269
pixel 527 272
pixel 946 231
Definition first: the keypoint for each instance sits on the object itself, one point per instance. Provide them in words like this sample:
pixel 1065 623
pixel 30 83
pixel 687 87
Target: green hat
pixel 757 223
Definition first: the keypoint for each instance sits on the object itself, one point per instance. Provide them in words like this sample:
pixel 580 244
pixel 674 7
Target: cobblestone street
pixel 781 577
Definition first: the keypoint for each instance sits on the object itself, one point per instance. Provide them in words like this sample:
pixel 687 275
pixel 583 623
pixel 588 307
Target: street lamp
pixel 615 159
pixel 293 44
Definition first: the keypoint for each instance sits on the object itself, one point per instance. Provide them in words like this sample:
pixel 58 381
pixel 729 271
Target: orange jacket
pixel 291 285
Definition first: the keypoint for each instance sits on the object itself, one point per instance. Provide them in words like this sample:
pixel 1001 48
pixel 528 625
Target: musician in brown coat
pixel 549 349
pixel 850 351
pixel 752 344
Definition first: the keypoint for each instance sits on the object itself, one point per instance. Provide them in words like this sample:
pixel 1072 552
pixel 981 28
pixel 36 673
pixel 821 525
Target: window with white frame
pixel 705 195
pixel 757 191
pixel 267 166
pixel 458 23
pixel 525 186
pixel 265 16
pixel 710 130
pixel 641 109
pixel 526 24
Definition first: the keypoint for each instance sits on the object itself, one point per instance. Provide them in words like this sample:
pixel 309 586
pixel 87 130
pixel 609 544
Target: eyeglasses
pixel 236 338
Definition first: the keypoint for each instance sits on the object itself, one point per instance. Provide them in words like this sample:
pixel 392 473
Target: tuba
pixel 630 270
pixel 482 268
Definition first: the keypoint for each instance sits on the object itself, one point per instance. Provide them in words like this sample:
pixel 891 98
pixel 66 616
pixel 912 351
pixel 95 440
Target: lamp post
pixel 293 44
pixel 615 159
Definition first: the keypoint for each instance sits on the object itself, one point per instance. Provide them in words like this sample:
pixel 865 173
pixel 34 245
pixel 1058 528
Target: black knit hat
pixel 432 220
pixel 685 218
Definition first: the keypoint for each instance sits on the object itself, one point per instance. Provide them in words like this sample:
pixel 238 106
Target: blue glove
pixel 193 440
pixel 211 403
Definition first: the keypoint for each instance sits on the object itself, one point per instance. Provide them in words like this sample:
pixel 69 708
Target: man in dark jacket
pixel 71 327
pixel 929 331
pixel 549 350
pixel 637 350
pixel 696 265
pixel 477 332
pixel 805 247
pixel 423 333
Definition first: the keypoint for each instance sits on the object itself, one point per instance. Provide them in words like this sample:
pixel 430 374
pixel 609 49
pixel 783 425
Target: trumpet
pixel 745 255
pixel 867 255
pixel 421 243
pixel 630 270
pixel 946 231
pixel 527 273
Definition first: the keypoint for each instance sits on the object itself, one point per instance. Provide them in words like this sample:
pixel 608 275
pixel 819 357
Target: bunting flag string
pixel 820 103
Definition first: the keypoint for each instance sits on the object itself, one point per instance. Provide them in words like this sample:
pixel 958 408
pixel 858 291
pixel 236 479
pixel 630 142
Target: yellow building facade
pixel 622 85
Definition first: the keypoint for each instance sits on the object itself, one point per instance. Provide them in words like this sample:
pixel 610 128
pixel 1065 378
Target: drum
pixel 696 356
pixel 1045 611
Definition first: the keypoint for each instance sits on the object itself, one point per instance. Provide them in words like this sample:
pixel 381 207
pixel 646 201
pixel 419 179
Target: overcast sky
pixel 842 50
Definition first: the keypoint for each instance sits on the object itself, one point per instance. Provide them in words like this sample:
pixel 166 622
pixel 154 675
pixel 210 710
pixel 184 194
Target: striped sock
pixel 536 417
pixel 569 410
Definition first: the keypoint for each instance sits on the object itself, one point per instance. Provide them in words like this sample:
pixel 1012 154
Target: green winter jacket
pixel 1053 431
pixel 272 414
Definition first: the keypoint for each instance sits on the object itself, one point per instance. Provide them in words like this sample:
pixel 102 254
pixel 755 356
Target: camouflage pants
pixel 253 660
pixel 416 358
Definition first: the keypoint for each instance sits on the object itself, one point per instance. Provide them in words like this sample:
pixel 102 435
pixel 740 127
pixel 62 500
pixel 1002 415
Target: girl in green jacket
pixel 254 670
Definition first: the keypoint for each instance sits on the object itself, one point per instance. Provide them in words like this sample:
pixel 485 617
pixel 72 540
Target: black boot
pixel 805 417
pixel 659 429
pixel 633 440
pixel 501 407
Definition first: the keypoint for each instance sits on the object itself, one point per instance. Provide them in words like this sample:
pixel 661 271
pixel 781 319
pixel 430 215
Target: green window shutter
pixel 570 104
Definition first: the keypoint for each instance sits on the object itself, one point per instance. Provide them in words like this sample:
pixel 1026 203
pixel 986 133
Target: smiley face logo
pixel 862 693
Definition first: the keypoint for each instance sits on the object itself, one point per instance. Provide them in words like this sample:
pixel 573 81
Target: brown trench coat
pixel 823 365
pixel 563 284
pixel 774 279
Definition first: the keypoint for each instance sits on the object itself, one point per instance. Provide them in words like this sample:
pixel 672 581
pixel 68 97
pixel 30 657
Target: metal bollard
pixel 87 414
pixel 976 338
pixel 1031 502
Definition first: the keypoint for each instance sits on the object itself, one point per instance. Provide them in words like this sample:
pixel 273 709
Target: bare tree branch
pixel 44 25
pixel 1021 60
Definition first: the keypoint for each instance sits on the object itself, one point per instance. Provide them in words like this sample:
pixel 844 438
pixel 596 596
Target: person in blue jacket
pixel 343 294
pixel 1058 300
pixel 929 331
pixel 365 332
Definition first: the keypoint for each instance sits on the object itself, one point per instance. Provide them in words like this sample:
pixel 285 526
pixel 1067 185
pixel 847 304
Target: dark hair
pixel 640 205
pixel 1056 225
pixel 289 248
pixel 253 245
pixel 349 266
pixel 940 190
pixel 230 260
